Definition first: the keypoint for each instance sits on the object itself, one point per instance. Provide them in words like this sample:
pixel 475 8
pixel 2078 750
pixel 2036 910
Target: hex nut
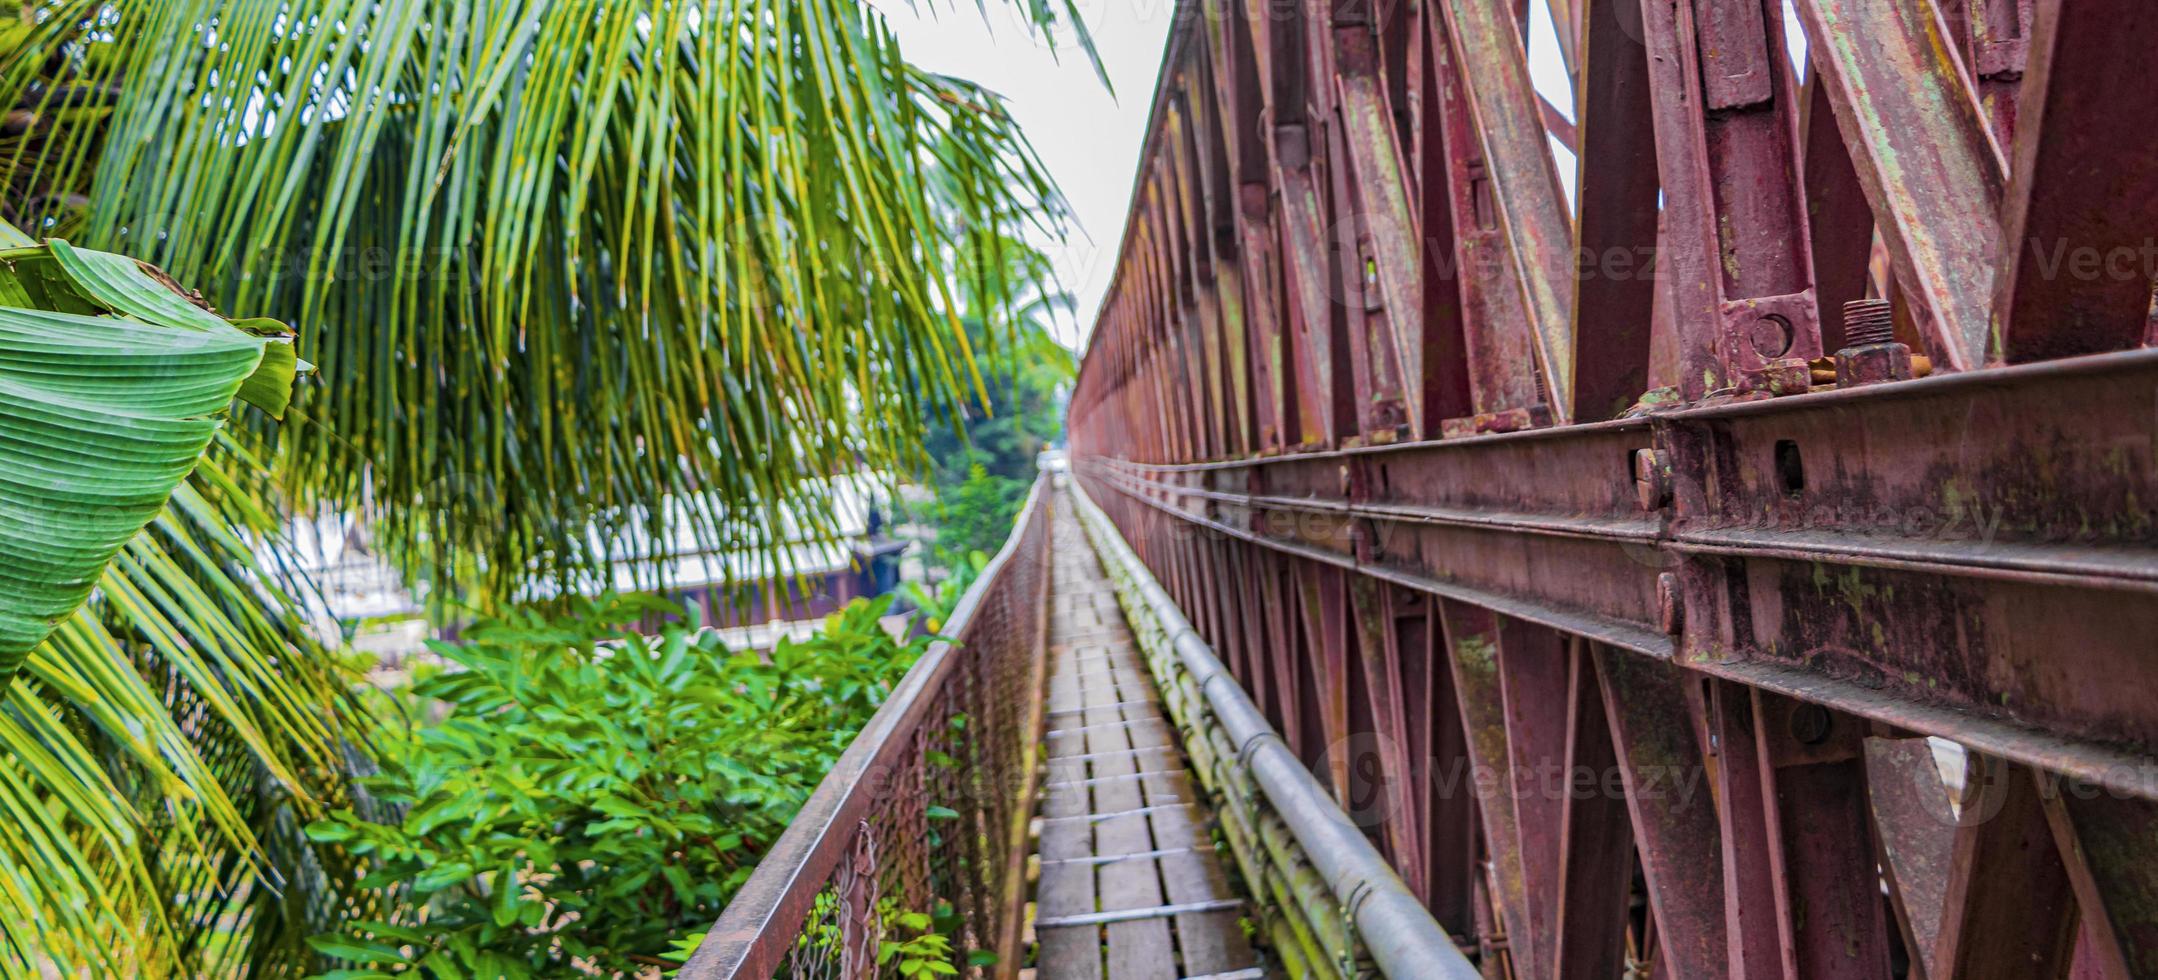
pixel 1872 364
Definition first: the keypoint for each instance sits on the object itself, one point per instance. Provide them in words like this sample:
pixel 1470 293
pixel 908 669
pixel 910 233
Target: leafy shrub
pixel 937 604
pixel 924 954
pixel 593 793
pixel 977 515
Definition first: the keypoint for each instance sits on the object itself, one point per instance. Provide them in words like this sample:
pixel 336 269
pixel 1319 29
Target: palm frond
pixel 556 260
pixel 156 714
pixel 111 386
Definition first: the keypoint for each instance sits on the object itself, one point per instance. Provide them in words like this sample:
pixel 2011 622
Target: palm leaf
pixel 556 260
pixel 156 728
pixel 110 388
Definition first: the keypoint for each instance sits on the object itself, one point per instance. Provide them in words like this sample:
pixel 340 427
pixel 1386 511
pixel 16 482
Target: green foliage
pixel 977 515
pixel 924 953
pixel 557 259
pixel 982 475
pixel 910 943
pixel 593 793
pixel 936 605
pixel 164 723
pixel 1026 389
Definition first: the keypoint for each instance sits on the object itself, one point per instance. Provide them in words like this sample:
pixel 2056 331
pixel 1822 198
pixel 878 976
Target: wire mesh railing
pixel 914 845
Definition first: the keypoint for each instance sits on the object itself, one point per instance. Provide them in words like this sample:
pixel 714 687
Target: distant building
pixel 358 599
pixel 753 596
pixel 746 594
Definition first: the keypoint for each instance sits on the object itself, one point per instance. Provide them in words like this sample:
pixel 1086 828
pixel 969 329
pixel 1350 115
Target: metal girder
pixel 1653 710
pixel 1595 850
pixel 1496 509
pixel 1487 46
pixel 1482 364
pixel 2078 253
pixel 1924 154
pixel 1616 240
pixel 1736 247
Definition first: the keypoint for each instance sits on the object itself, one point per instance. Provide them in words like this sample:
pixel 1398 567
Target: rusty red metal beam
pixel 1930 166
pixel 1509 504
pixel 1614 282
pixel 2078 249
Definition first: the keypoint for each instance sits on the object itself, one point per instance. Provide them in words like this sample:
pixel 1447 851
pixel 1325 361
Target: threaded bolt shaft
pixel 1868 321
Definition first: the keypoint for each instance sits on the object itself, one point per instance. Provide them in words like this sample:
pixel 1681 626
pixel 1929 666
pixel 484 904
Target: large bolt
pixel 1870 353
pixel 1868 321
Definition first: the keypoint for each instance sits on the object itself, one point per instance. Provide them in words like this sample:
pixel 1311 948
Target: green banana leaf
pixel 111 385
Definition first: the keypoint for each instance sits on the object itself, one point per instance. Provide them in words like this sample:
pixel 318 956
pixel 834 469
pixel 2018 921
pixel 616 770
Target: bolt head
pixel 1872 364
pixel 1652 478
pixel 1669 603
pixel 1789 376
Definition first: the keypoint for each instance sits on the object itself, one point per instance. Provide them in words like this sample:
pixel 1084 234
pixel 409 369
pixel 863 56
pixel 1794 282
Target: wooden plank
pixel 1100 685
pixel 1067 889
pixel 1140 948
pixel 1209 941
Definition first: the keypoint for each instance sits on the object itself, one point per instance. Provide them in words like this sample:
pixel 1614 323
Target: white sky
pixel 1089 139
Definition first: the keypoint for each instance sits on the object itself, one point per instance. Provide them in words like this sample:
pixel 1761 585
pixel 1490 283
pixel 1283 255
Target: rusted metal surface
pixel 1929 164
pixel 1498 511
pixel 2077 230
pixel 925 812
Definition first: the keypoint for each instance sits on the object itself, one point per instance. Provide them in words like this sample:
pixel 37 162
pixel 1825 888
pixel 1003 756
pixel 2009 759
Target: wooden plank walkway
pixel 1131 887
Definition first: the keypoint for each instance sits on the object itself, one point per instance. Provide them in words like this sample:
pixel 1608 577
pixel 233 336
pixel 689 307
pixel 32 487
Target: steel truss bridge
pixel 1736 557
